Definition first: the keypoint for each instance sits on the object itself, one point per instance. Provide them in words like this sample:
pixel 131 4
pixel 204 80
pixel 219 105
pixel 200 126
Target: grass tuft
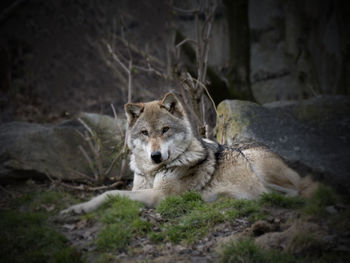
pixel 194 225
pixel 176 206
pixel 122 223
pixel 323 197
pixel 306 242
pixel 43 200
pixel 27 237
pixel 236 208
pixel 246 251
pixel 190 218
pixel 279 200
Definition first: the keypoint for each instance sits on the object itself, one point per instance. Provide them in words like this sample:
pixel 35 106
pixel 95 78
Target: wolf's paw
pixel 76 209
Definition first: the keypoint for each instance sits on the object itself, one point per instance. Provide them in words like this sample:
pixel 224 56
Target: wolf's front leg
pixel 149 197
pixel 91 205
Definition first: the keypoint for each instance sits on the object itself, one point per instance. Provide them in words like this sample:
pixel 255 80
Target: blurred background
pixel 55 61
pixel 277 70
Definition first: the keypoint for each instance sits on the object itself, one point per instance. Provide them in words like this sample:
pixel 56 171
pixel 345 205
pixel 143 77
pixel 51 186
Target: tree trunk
pixel 236 12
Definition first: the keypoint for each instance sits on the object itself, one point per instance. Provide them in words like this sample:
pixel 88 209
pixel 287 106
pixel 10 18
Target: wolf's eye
pixel 165 129
pixel 144 132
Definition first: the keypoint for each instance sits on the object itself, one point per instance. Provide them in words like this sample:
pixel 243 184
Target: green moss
pixel 106 258
pixel 323 197
pixel 341 220
pixel 186 218
pixel 306 241
pixel 121 218
pixel 194 225
pixel 189 218
pixel 246 251
pixel 28 237
pixel 114 236
pixel 157 237
pixel 235 208
pixel 67 255
pixel 232 122
pixel 48 200
pixel 175 206
pixel 27 234
pixel 280 200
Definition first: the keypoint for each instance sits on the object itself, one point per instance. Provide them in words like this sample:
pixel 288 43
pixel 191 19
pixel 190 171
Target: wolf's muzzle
pixel 156 157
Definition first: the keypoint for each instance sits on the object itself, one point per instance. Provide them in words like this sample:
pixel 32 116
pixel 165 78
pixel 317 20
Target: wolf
pixel 168 158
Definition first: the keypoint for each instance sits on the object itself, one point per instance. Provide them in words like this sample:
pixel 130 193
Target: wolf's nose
pixel 156 157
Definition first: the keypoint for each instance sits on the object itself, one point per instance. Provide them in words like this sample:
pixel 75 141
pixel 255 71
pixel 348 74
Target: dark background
pixel 53 62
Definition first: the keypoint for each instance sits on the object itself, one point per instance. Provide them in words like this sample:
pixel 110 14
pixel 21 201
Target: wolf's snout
pixel 156 157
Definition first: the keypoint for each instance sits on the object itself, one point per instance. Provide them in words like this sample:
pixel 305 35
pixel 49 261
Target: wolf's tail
pixel 305 186
pixel 308 186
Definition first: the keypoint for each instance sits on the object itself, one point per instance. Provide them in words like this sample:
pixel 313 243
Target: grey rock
pixel 296 50
pixel 313 134
pixel 29 149
pixel 331 210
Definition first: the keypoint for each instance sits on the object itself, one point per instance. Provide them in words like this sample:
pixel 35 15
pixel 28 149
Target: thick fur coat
pixel 168 159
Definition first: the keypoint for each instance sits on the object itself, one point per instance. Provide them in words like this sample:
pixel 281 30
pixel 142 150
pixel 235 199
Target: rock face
pixel 28 149
pixel 297 49
pixel 53 60
pixel 313 134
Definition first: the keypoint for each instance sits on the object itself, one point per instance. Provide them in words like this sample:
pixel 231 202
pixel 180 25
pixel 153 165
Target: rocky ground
pixel 181 229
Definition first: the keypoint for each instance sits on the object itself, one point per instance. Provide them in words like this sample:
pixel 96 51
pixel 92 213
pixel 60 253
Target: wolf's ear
pixel 173 105
pixel 133 111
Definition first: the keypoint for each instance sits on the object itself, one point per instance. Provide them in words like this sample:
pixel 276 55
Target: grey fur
pixel 192 164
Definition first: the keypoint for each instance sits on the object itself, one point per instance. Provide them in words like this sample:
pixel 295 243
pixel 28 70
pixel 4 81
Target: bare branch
pixel 116 58
pixel 152 70
pixel 116 120
pixel 135 49
pixel 130 82
pixel 88 178
pixel 86 126
pixel 89 161
pixel 115 68
pixel 190 11
pixel 208 94
pixel 87 188
pixel 7 191
pixel 186 41
pixel 113 163
pixel 7 12
pixel 198 49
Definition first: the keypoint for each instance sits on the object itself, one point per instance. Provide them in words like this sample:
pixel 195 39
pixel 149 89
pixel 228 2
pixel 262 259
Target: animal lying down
pixel 168 159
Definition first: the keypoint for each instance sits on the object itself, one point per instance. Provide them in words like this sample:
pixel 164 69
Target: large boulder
pixel 28 149
pixel 313 134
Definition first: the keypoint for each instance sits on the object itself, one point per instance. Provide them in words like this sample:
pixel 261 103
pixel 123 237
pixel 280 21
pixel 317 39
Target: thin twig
pixel 191 11
pixel 208 94
pixel 116 58
pixel 198 49
pixel 88 178
pixel 113 162
pixel 130 82
pixel 88 188
pixel 6 13
pixel 142 53
pixel 116 120
pixel 7 191
pixel 152 70
pixel 89 161
pixel 86 126
pixel 186 41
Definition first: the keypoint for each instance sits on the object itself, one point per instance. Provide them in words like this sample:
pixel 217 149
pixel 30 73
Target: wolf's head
pixel 159 131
